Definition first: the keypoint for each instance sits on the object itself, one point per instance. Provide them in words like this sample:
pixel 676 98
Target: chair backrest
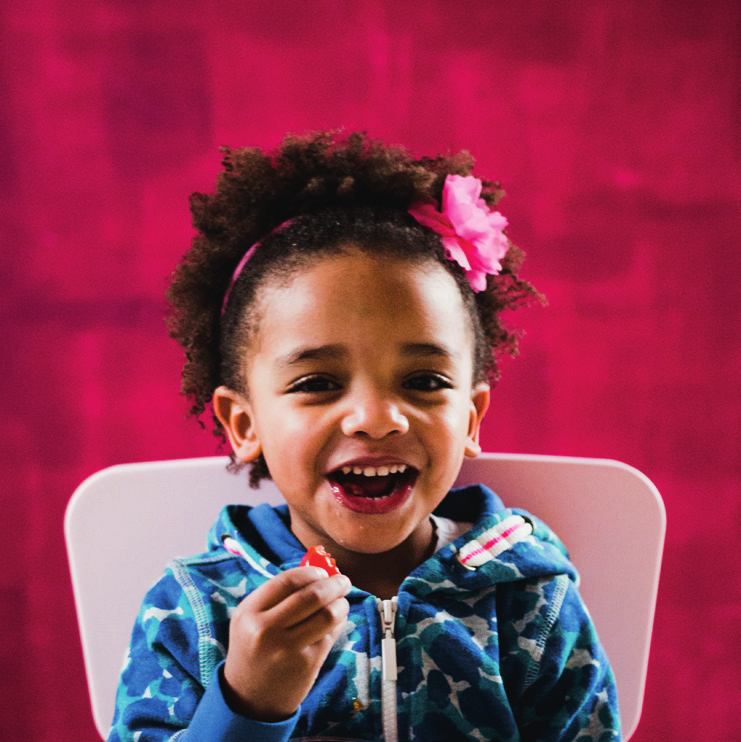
pixel 126 522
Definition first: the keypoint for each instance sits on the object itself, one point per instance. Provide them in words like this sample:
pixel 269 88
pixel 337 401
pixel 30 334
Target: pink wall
pixel 614 127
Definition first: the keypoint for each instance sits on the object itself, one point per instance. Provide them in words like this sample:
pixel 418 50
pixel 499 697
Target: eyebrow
pixel 338 351
pixel 428 350
pixel 319 353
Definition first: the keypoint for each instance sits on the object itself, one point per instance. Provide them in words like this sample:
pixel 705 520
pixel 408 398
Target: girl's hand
pixel 279 636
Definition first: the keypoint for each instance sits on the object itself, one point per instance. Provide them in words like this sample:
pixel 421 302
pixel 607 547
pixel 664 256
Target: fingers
pixel 303 601
pixel 272 592
pixel 323 596
pixel 325 623
pixel 280 635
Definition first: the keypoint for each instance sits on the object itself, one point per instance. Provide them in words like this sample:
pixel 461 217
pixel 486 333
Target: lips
pixel 373 490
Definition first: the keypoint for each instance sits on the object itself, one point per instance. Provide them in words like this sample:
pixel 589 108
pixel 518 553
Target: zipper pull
pixel 387 609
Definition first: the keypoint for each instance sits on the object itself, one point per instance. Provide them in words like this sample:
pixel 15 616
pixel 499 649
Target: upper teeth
pixel 375 471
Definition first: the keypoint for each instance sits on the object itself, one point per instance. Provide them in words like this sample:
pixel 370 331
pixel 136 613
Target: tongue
pixel 362 486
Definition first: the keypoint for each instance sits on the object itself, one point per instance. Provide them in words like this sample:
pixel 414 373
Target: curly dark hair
pixel 310 198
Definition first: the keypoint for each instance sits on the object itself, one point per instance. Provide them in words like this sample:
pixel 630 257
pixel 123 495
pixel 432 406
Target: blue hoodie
pixel 487 640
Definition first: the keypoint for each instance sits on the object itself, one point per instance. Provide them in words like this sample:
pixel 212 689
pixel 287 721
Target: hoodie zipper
pixel 387 609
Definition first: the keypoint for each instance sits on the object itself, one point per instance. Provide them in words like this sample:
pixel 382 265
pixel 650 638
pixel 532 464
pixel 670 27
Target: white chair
pixel 126 522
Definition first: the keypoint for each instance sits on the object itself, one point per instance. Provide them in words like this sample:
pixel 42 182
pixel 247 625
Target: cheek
pixel 459 414
pixel 447 432
pixel 288 434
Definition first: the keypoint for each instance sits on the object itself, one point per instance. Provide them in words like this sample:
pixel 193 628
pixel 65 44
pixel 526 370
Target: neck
pixel 382 574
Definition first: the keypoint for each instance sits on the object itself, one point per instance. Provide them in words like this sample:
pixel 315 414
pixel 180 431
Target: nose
pixel 371 414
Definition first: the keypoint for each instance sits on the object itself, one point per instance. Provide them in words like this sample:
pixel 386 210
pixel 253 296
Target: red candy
pixel 317 556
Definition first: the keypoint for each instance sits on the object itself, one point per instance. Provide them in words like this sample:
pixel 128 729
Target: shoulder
pixel 546 635
pixel 531 609
pixel 558 661
pixel 184 617
pixel 212 583
pixel 188 582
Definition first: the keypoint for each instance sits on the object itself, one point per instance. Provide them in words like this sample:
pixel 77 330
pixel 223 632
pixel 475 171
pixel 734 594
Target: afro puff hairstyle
pixel 312 197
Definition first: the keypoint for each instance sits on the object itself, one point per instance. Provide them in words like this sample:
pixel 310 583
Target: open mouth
pixel 372 489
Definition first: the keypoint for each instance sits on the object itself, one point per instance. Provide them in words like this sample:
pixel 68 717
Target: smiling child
pixel 341 316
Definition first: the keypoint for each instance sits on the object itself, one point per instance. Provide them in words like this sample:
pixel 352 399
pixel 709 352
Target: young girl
pixel 340 312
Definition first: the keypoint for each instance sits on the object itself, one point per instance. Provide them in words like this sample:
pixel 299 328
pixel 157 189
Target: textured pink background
pixel 614 126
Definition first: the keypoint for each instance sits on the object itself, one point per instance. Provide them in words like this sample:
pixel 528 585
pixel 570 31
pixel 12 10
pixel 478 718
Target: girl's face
pixel 360 397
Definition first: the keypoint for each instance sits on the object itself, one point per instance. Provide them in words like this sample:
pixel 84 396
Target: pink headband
pixel 472 233
pixel 245 258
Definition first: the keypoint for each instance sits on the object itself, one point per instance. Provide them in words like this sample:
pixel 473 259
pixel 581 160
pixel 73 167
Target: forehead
pixel 364 299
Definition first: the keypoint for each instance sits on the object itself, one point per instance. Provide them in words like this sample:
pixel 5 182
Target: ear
pixel 479 405
pixel 235 414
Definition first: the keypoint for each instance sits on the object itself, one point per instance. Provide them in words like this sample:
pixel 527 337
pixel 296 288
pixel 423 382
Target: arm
pixel 568 689
pixel 558 678
pixel 182 710
pixel 169 689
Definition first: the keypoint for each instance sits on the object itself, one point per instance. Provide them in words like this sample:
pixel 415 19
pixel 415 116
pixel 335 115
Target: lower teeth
pixel 376 489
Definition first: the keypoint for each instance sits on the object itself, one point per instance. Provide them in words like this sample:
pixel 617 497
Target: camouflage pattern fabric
pixel 504 651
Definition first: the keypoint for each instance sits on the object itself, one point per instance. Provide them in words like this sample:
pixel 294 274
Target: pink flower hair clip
pixel 472 233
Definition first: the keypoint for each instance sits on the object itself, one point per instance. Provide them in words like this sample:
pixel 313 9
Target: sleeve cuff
pixel 214 720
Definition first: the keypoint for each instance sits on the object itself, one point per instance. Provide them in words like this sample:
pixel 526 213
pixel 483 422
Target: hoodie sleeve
pixel 568 688
pixel 170 687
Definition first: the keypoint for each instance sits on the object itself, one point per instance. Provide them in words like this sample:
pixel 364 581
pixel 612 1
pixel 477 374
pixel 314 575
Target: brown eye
pixel 427 383
pixel 313 385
